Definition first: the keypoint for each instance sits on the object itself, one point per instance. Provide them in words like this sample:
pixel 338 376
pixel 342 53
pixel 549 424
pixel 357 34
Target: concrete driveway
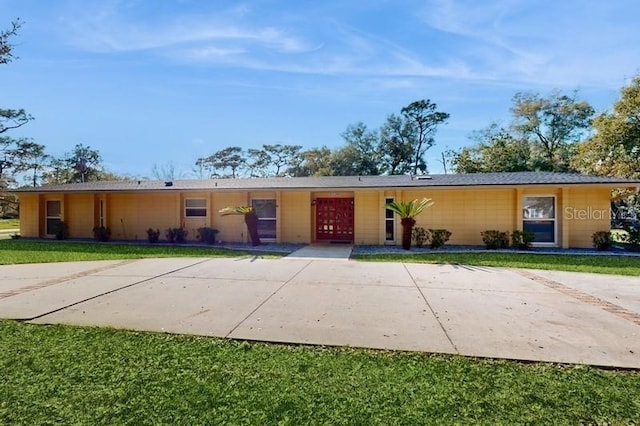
pixel 477 311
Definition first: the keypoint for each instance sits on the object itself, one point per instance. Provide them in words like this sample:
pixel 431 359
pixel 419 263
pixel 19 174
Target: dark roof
pixel 343 182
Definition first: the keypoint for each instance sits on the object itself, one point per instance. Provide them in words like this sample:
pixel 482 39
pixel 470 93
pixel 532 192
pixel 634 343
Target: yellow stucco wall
pixel 367 207
pixel 130 215
pixel 232 228
pixel 29 215
pixel 295 222
pixel 466 212
pixel 79 215
pixel 586 211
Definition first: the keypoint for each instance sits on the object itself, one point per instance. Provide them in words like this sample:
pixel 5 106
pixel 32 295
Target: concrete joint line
pixel 115 290
pixel 453 345
pixel 60 280
pixel 261 304
pixel 582 297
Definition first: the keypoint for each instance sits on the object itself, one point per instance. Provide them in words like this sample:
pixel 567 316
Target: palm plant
pixel 250 219
pixel 407 212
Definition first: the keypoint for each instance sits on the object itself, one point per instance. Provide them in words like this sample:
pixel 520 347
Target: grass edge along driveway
pixel 598 264
pixel 22 251
pixel 39 251
pixel 84 375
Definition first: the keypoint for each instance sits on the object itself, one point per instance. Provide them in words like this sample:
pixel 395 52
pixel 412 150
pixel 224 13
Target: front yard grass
pixel 31 251
pixel 9 224
pixel 71 375
pixel 618 265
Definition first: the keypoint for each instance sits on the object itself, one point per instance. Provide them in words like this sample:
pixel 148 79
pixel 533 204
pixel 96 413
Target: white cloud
pixel 547 43
pixel 501 41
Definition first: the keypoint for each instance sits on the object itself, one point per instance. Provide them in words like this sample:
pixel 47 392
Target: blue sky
pixel 147 82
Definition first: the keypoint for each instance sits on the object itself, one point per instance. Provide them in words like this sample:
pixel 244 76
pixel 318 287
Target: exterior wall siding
pixel 580 211
pixel 232 228
pixel 466 213
pixel 295 222
pixel 586 211
pixel 130 215
pixel 79 215
pixel 29 215
pixel 367 218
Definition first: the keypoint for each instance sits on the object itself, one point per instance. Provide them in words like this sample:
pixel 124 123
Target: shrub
pixel 439 237
pixel 61 230
pixel 495 239
pixel 419 235
pixel 177 235
pixel 522 239
pixel 207 235
pixel 102 233
pixel 15 236
pixel 632 237
pixel 601 240
pixel 153 235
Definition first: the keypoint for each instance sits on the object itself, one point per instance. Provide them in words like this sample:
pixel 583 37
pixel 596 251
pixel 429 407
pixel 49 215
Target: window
pixel 195 207
pixel 389 222
pixel 539 217
pixel 54 216
pixel 266 211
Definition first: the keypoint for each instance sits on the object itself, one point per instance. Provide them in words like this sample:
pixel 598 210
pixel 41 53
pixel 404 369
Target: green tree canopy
pixel 614 149
pixel 81 164
pixel 423 119
pixel 552 125
pixel 225 163
pixel 6 48
pixel 543 135
pixel 496 151
pixel 405 138
pixel 360 154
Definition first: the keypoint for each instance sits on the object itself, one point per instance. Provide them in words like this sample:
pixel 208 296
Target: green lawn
pixel 39 251
pixel 9 224
pixel 33 251
pixel 561 262
pixel 68 375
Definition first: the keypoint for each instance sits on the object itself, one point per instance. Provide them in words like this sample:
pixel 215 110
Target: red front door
pixel 334 219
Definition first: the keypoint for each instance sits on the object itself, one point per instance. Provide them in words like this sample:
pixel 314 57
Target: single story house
pixel 563 210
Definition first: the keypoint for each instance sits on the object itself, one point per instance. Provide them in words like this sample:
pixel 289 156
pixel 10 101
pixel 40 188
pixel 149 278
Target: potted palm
pixel 250 219
pixel 407 212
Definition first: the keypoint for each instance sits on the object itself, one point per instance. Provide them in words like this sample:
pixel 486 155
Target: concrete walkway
pixel 323 252
pixel 477 311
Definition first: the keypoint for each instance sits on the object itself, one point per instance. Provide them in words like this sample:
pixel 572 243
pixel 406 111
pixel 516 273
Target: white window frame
pixel 391 219
pixel 274 219
pixel 204 208
pixel 554 219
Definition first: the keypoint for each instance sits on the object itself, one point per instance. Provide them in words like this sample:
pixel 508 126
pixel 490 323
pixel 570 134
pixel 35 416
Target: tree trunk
pixel 407 227
pixel 251 219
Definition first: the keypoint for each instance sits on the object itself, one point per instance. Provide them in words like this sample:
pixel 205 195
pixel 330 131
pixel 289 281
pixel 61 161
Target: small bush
pixel 61 230
pixel 153 235
pixel 177 235
pixel 601 240
pixel 495 239
pixel 15 236
pixel 522 239
pixel 632 237
pixel 439 237
pixel 102 233
pixel 419 235
pixel 207 235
